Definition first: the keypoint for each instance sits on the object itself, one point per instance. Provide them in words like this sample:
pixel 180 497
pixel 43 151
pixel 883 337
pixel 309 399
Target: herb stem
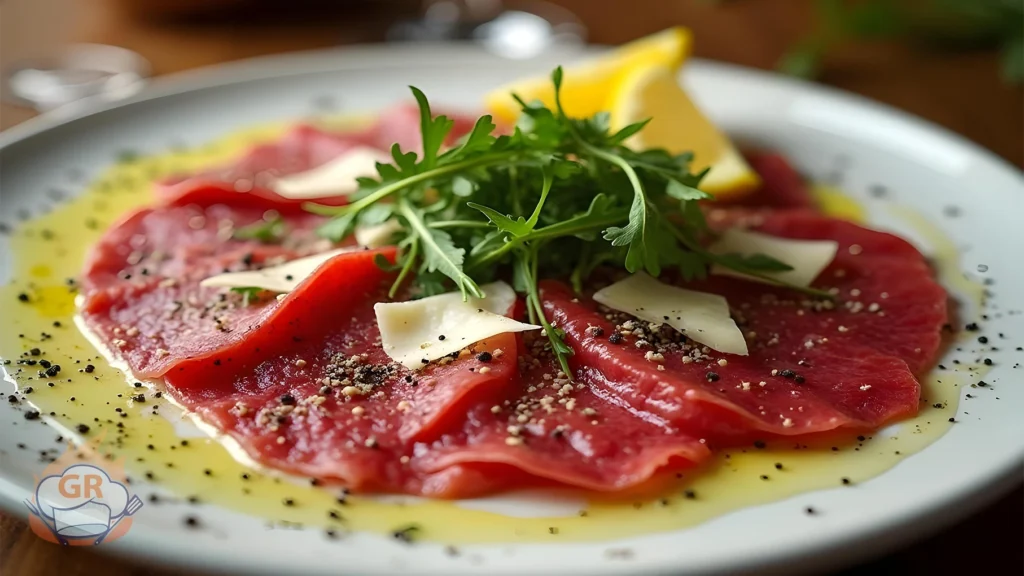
pixel 385 191
pixel 410 261
pixel 442 224
pixel 527 268
pixel 554 230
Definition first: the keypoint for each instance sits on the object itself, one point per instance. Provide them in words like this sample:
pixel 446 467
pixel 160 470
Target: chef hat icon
pixel 82 502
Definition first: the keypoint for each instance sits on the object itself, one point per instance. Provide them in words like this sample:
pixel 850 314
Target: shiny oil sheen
pixel 49 250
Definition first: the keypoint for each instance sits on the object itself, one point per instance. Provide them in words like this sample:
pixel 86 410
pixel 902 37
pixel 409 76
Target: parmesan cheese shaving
pixel 807 257
pixel 417 332
pixel 335 178
pixel 378 235
pixel 700 316
pixel 282 278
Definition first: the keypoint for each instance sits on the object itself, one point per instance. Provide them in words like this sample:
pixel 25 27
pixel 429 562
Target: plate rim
pixel 340 59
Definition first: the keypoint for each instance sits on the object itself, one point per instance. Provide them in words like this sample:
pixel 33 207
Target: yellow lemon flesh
pixel 587 86
pixel 653 91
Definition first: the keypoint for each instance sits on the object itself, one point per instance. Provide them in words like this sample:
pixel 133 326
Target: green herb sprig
pixel 559 196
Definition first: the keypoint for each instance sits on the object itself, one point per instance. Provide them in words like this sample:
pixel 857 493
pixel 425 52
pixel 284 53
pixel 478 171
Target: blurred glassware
pixel 516 29
pixel 82 71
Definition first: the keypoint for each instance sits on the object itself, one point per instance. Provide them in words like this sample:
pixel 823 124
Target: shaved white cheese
pixel 377 236
pixel 283 278
pixel 414 333
pixel 807 257
pixel 335 178
pixel 702 317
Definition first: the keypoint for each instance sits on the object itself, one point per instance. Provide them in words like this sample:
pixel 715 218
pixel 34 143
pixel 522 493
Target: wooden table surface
pixel 961 91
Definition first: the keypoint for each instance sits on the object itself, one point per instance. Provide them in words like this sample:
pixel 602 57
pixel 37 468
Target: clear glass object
pixel 516 29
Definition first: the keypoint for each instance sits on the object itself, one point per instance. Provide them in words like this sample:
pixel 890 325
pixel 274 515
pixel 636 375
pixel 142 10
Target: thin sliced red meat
pixel 782 187
pixel 141 281
pixel 565 436
pixel 440 419
pixel 303 386
pixel 301 149
pixel 272 384
pixel 850 367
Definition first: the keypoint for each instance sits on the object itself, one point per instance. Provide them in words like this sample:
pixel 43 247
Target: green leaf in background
pixel 803 61
pixel 266 231
pixel 944 23
pixel 1013 60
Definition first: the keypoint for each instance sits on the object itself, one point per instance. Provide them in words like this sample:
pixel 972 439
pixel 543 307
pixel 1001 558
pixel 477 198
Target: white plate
pixel 821 130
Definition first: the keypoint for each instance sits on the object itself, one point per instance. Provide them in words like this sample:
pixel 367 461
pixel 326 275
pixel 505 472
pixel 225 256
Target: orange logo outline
pixel 81 502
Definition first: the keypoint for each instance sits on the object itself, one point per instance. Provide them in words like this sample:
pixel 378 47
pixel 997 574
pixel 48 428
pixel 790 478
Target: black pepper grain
pixel 615 338
pixel 484 357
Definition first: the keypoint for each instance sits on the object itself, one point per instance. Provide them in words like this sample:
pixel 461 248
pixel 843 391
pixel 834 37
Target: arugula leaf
pixel 596 202
pixel 624 134
pixel 248 294
pixel 584 226
pixel 754 262
pixel 439 252
pixel 503 222
pixel 376 214
pixel 682 192
pixel 478 140
pixel 519 227
pixel 463 186
pixel 338 228
pixel 266 231
pixel 405 161
pixel 434 130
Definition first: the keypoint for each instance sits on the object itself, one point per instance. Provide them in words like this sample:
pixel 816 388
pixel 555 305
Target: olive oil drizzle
pixel 138 423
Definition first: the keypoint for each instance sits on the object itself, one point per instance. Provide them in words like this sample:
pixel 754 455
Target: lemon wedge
pixel 587 86
pixel 653 91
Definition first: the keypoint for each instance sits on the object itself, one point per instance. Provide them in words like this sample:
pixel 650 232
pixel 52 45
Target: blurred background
pixel 958 63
